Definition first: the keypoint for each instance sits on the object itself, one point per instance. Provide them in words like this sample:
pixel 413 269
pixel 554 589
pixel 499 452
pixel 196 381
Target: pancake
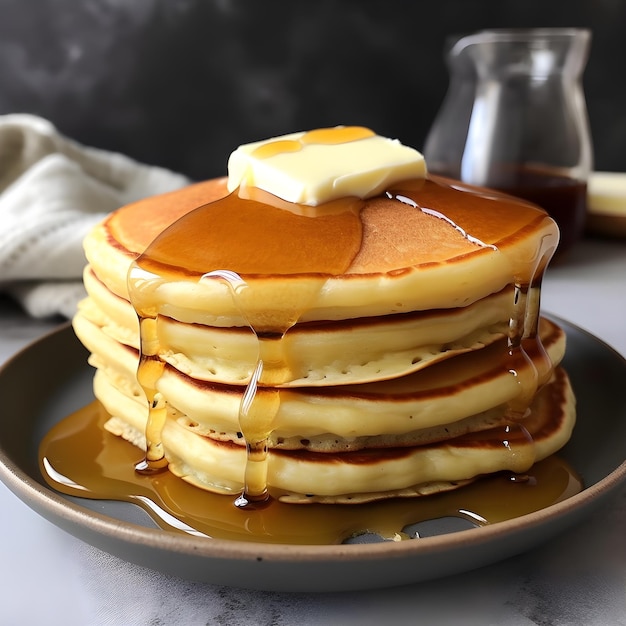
pixel 443 399
pixel 407 259
pixel 364 347
pixel 322 353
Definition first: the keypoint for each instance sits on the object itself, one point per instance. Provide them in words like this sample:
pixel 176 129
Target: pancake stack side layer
pixel 373 345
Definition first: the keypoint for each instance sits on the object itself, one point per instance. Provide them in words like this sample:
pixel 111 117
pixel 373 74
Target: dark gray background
pixel 181 83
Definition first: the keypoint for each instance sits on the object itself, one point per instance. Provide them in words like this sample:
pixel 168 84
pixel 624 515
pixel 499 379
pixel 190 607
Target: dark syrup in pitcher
pixel 564 198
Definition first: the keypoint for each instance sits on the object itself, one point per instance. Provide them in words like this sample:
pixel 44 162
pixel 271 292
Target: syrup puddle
pixel 80 458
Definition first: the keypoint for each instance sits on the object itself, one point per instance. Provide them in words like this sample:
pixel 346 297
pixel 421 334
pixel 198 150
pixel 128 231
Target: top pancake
pixel 426 244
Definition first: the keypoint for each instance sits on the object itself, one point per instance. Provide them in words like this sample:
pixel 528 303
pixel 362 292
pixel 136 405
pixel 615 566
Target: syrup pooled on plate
pixel 80 458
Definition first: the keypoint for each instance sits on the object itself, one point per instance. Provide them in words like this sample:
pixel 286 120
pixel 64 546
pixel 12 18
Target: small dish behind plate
pixel 606 204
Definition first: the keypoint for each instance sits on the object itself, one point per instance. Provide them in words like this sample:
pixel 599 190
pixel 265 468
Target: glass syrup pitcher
pixel 515 119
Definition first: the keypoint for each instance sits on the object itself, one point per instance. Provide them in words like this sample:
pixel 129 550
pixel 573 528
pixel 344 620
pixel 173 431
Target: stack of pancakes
pixel 392 347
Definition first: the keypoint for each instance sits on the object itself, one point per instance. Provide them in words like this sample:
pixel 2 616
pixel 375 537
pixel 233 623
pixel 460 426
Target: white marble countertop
pixel 49 577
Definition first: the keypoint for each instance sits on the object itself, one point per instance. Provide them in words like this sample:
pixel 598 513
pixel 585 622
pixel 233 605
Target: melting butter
pixel 326 164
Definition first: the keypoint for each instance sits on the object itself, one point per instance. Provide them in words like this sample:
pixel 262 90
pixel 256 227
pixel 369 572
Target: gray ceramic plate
pixel 50 379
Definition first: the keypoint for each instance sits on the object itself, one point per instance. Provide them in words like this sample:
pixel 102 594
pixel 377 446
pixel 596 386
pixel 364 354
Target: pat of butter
pixel 321 165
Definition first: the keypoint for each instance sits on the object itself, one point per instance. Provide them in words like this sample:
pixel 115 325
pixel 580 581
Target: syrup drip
pixel 524 347
pixel 149 370
pixel 78 457
pixel 258 405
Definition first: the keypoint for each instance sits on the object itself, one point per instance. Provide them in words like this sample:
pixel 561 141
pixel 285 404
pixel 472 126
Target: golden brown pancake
pixel 416 258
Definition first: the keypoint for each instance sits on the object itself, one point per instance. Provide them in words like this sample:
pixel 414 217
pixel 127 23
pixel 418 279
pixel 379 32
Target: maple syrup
pixel 78 457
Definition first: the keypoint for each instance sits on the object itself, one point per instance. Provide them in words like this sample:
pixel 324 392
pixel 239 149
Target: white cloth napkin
pixel 52 191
